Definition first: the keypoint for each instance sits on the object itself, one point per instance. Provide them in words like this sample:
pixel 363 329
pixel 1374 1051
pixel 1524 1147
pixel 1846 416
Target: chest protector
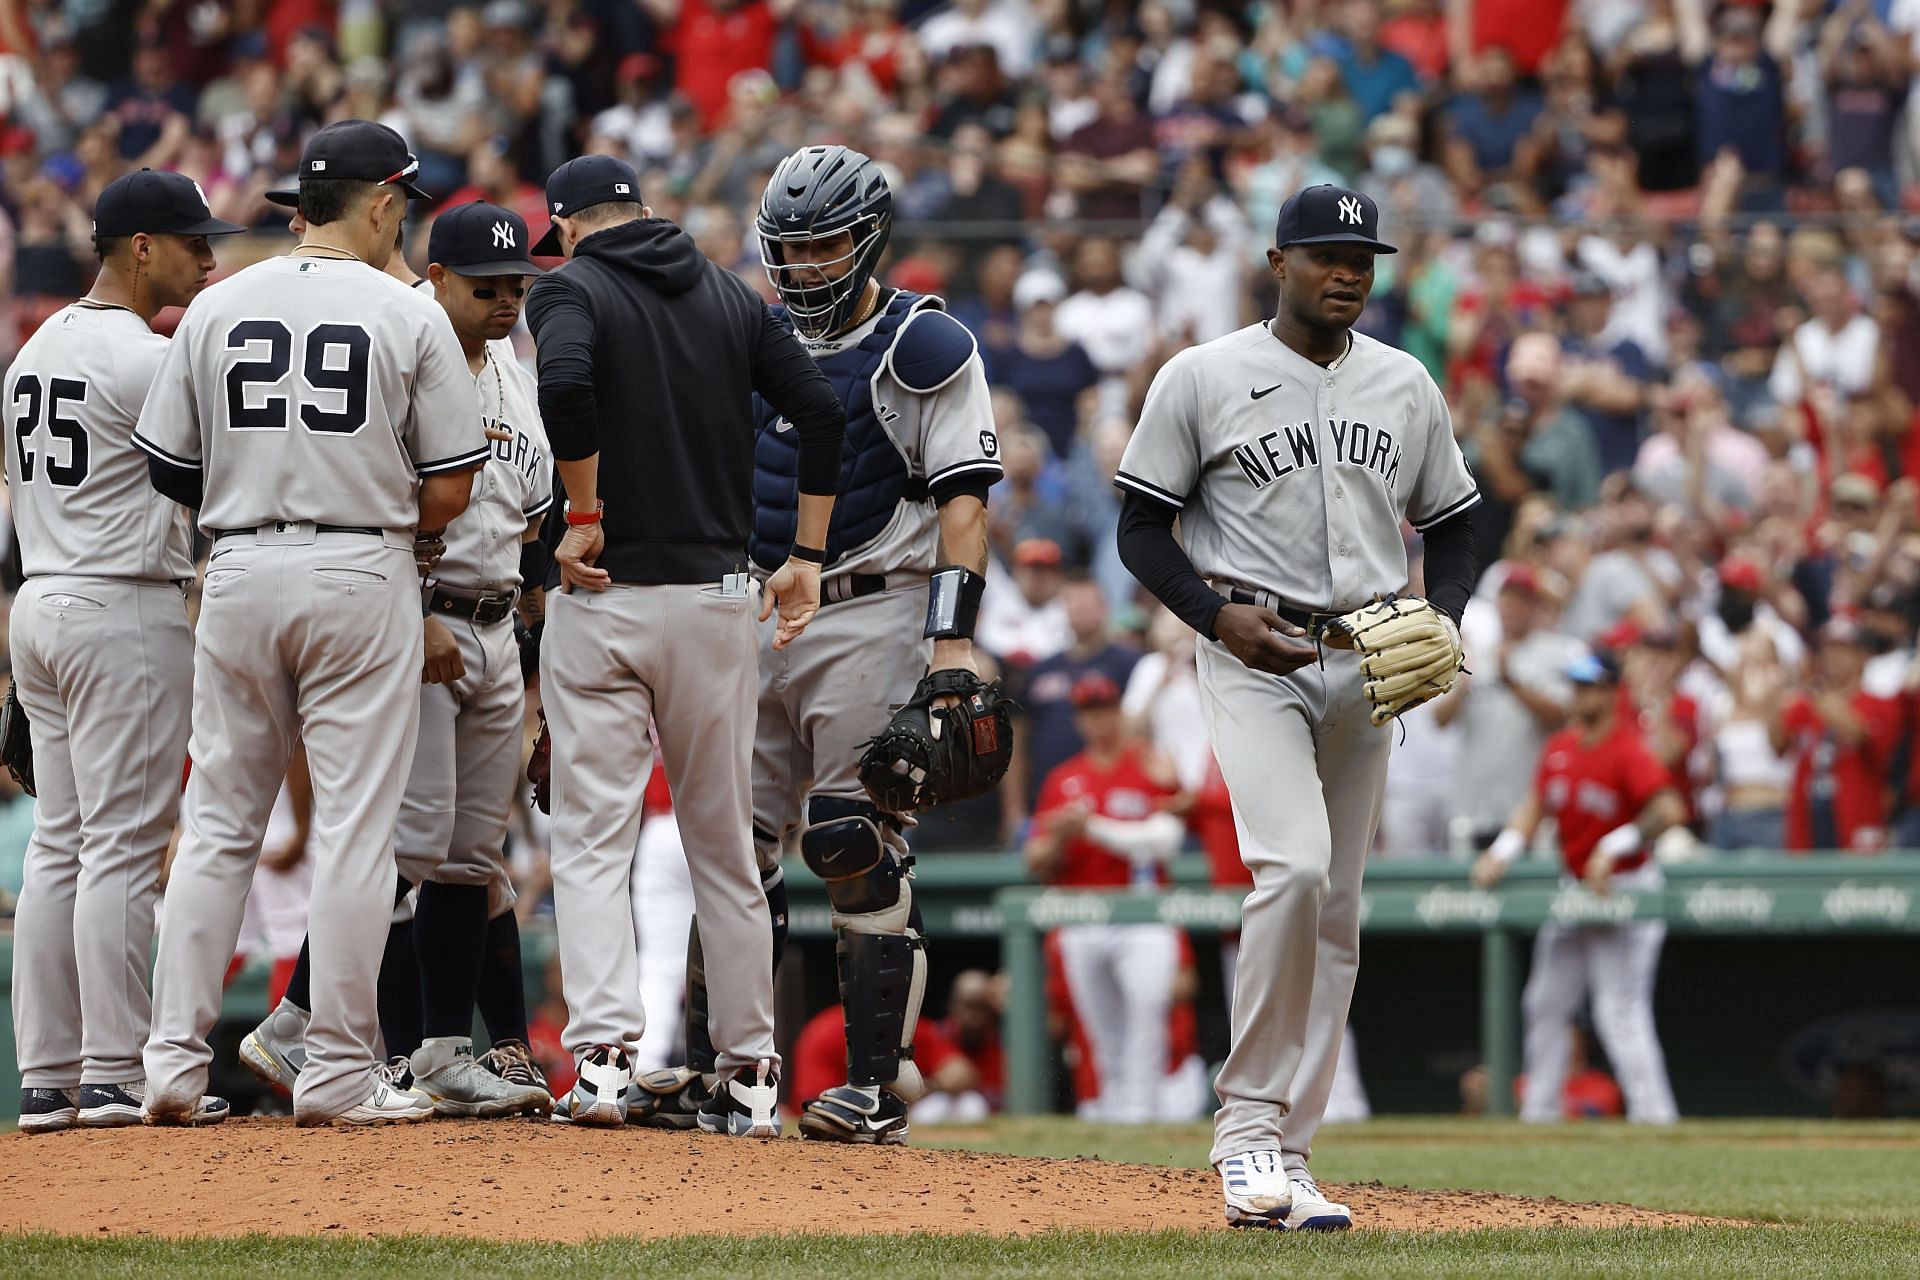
pixel 874 476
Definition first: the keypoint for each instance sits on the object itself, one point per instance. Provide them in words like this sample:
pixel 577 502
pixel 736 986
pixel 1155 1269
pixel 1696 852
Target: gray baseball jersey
pixel 81 499
pixel 943 434
pixel 336 386
pixel 1292 478
pixel 516 485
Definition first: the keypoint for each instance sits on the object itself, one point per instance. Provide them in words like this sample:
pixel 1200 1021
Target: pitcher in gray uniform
pixel 102 658
pixel 1291 452
pixel 906 566
pixel 319 414
pixel 453 820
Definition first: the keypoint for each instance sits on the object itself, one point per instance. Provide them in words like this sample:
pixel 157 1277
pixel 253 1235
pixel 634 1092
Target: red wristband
pixel 586 517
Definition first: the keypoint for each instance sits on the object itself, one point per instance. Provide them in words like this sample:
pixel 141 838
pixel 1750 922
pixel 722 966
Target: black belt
pixel 1308 620
pixel 857 585
pixel 318 528
pixel 471 608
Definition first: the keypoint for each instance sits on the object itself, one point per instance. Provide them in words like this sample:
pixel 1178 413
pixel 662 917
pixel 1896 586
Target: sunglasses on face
pixel 487 293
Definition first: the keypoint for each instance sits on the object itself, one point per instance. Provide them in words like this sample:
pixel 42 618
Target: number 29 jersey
pixel 313 389
pixel 79 490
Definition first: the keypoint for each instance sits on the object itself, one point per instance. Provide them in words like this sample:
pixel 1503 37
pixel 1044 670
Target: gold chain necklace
pixel 345 255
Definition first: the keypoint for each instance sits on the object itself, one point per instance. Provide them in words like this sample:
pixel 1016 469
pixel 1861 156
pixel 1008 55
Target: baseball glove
pixel 1410 652
pixel 16 741
pixel 540 767
pixel 927 756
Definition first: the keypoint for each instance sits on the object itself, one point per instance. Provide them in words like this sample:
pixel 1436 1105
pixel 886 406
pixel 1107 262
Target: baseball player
pixel 906 560
pixel 319 415
pixel 1101 820
pixel 1291 451
pixel 453 818
pixel 102 658
pixel 1610 799
pixel 650 356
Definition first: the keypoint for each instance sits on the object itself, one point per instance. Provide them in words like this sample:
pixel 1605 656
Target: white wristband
pixel 1507 846
pixel 1619 842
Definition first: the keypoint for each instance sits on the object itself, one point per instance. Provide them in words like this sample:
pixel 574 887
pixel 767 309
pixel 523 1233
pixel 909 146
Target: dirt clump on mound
pixel 537 1181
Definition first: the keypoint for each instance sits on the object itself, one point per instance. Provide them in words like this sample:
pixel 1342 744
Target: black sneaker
pixel 46 1110
pixel 846 1114
pixel 111 1106
pixel 745 1105
pixel 671 1098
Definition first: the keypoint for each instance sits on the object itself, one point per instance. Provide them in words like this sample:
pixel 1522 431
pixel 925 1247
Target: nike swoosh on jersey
pixel 1269 391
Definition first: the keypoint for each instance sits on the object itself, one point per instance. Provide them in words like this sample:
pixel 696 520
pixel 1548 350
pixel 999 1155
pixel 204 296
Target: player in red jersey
pixel 1610 798
pixel 1102 820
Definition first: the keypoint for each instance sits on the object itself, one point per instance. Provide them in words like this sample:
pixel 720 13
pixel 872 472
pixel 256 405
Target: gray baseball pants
pixel 302 635
pixel 104 670
pixel 684 655
pixel 1306 770
pixel 820 698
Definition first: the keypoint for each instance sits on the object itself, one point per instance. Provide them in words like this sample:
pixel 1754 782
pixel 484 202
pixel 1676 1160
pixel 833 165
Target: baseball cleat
pixel 389 1103
pixel 208 1110
pixel 670 1098
pixel 46 1110
pixel 277 1048
pixel 849 1114
pixel 513 1062
pixel 745 1104
pixel 599 1096
pixel 445 1069
pixel 1256 1190
pixel 1311 1210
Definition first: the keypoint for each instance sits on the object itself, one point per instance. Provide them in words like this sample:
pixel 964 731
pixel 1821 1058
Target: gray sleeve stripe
pixel 1472 499
pixel 1152 491
pixel 972 464
pixel 454 464
pixel 148 446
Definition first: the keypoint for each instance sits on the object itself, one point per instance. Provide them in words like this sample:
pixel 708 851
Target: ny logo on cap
pixel 1350 209
pixel 207 204
pixel 503 235
pixel 622 189
pixel 558 206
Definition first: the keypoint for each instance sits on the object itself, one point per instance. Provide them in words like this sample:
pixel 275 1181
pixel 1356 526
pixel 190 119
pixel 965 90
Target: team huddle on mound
pixel 749 540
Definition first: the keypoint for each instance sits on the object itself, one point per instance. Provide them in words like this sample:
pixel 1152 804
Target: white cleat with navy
pixel 1311 1210
pixel 1256 1190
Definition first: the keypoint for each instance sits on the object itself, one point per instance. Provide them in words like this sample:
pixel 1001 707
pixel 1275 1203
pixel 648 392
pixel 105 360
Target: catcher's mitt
pixel 927 756
pixel 1410 652
pixel 16 742
pixel 540 767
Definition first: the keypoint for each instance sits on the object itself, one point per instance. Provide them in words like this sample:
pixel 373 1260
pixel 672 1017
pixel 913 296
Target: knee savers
pixel 866 880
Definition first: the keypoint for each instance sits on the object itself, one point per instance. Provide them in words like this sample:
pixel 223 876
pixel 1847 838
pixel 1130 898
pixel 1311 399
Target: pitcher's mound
pixel 522 1180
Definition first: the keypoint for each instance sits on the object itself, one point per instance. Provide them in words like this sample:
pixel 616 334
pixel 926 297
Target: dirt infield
pixel 530 1181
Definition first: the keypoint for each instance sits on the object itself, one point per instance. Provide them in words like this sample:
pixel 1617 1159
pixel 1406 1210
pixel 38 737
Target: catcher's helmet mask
pixel 818 192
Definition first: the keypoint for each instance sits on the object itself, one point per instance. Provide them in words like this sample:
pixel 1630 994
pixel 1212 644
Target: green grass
pixel 1845 1198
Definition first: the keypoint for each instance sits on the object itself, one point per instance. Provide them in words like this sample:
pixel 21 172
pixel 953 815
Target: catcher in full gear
pixel 906 559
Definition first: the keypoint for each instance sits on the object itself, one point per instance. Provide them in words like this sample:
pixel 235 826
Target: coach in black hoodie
pixel 649 355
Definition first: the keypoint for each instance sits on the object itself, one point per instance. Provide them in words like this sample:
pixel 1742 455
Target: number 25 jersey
pixel 79 490
pixel 313 389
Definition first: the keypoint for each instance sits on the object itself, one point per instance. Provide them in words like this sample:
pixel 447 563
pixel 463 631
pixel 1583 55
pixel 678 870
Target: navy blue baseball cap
pixel 1327 214
pixel 480 239
pixel 581 183
pixel 357 151
pixel 156 203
